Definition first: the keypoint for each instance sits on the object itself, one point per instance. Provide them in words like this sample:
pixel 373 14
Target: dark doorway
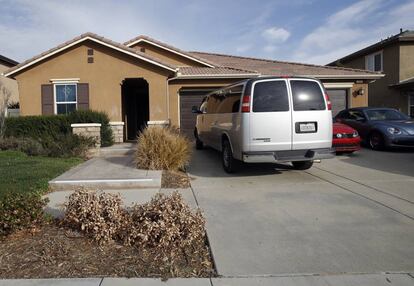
pixel 135 106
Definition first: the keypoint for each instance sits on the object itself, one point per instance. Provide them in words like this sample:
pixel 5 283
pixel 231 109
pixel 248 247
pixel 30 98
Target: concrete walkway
pixel 305 280
pixel 113 171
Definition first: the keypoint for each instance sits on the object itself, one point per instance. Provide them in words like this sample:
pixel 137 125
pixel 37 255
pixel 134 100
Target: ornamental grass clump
pixel 99 215
pixel 161 148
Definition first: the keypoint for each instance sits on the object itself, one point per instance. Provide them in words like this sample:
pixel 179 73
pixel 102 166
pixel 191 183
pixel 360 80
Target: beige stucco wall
pixel 406 61
pixel 166 56
pixel 104 76
pixel 10 84
pixel 381 95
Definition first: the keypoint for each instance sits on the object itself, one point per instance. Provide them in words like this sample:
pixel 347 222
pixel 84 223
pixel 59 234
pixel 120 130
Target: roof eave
pixel 357 76
pixel 14 71
pixel 218 76
pixel 170 50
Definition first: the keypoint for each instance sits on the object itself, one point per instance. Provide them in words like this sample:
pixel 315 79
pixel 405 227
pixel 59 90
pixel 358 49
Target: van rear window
pixel 307 95
pixel 270 96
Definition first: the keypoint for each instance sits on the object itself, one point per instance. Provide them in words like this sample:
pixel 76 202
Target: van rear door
pixel 311 119
pixel 270 117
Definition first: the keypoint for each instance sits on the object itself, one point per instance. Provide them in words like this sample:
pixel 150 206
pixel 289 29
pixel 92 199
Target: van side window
pixel 213 102
pixel 230 102
pixel 270 96
pixel 307 95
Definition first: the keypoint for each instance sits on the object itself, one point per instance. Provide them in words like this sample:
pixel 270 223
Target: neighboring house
pixel 394 57
pixel 11 84
pixel 146 81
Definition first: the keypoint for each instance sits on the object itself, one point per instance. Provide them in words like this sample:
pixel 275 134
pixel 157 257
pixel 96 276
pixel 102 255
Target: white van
pixel 267 120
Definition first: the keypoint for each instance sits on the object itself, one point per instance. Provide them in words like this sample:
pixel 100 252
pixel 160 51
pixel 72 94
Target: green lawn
pixel 22 173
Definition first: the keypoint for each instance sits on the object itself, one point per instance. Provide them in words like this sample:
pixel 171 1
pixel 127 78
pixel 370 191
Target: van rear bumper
pixel 288 156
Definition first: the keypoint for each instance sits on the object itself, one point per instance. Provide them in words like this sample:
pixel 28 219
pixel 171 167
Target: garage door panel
pixel 188 99
pixel 338 99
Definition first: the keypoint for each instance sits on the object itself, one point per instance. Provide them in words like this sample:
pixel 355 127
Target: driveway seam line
pixel 370 187
pixel 100 283
pixel 207 237
pixel 356 193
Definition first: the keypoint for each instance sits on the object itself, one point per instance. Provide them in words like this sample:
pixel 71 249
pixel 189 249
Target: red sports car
pixel 345 139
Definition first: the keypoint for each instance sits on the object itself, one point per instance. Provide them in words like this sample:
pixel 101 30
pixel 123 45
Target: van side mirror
pixel 195 110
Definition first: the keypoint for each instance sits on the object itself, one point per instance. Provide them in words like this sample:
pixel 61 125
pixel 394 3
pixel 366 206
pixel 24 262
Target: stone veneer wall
pixel 117 131
pixel 88 130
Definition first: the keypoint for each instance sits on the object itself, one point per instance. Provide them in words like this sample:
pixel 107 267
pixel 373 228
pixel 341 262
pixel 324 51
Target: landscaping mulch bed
pixel 53 251
pixel 175 180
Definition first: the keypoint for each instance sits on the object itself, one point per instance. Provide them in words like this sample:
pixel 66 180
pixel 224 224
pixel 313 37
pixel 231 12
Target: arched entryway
pixel 135 106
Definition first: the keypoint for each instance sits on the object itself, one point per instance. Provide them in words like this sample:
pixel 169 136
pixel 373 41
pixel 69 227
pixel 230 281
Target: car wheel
pixel 230 165
pixel 376 141
pixel 302 165
pixel 199 143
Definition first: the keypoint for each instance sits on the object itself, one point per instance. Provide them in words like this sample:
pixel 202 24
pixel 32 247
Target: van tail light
pixel 245 103
pixel 328 101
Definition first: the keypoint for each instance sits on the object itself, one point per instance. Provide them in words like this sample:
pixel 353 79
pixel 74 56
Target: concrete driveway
pixel 345 215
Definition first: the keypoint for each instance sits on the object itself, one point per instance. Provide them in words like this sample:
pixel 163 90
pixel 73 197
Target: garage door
pixel 189 98
pixel 338 99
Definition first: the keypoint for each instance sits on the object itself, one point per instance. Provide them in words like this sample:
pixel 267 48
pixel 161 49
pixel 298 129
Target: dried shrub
pixel 97 214
pixel 19 211
pixel 161 148
pixel 167 226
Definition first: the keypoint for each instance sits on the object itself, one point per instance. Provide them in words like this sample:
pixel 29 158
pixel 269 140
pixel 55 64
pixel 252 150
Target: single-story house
pixel 145 81
pixel 10 84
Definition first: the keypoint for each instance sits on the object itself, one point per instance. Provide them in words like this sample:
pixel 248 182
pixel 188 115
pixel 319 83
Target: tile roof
pixel 280 68
pixel 218 71
pixel 89 36
pixel 172 48
pixel 403 36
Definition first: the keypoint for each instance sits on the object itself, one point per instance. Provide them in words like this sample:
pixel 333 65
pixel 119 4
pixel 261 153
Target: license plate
pixel 307 127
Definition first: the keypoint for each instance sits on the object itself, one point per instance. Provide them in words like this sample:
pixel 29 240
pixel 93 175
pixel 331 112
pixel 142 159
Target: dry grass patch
pixel 161 148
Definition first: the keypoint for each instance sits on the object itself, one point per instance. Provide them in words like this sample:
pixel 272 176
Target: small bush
pixel 26 145
pixel 67 145
pixel 99 215
pixel 161 148
pixel 88 116
pixel 19 211
pixel 167 225
pixel 55 126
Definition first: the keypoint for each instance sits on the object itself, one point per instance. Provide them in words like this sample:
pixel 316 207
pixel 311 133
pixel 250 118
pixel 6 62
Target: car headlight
pixel 355 134
pixel 338 135
pixel 394 130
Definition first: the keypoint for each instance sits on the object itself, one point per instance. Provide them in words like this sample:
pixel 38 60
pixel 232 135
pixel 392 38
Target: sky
pixel 306 31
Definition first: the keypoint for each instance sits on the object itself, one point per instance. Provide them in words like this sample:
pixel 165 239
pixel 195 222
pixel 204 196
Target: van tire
pixel 302 165
pixel 199 143
pixel 230 165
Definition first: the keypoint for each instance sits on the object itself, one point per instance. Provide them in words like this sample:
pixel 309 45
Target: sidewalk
pixel 398 279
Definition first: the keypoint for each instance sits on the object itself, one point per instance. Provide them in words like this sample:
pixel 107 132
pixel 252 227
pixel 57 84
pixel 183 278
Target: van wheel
pixel 302 165
pixel 199 143
pixel 230 165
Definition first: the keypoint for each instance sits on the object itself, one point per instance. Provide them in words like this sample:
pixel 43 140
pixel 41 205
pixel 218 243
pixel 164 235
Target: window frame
pixel 55 84
pixel 373 57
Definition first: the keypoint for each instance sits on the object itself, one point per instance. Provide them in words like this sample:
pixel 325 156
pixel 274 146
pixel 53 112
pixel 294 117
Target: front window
pixel 385 114
pixel 66 98
pixel 373 62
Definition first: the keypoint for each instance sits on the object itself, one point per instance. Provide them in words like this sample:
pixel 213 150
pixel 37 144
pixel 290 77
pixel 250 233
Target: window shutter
pixel 47 99
pixel 83 96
